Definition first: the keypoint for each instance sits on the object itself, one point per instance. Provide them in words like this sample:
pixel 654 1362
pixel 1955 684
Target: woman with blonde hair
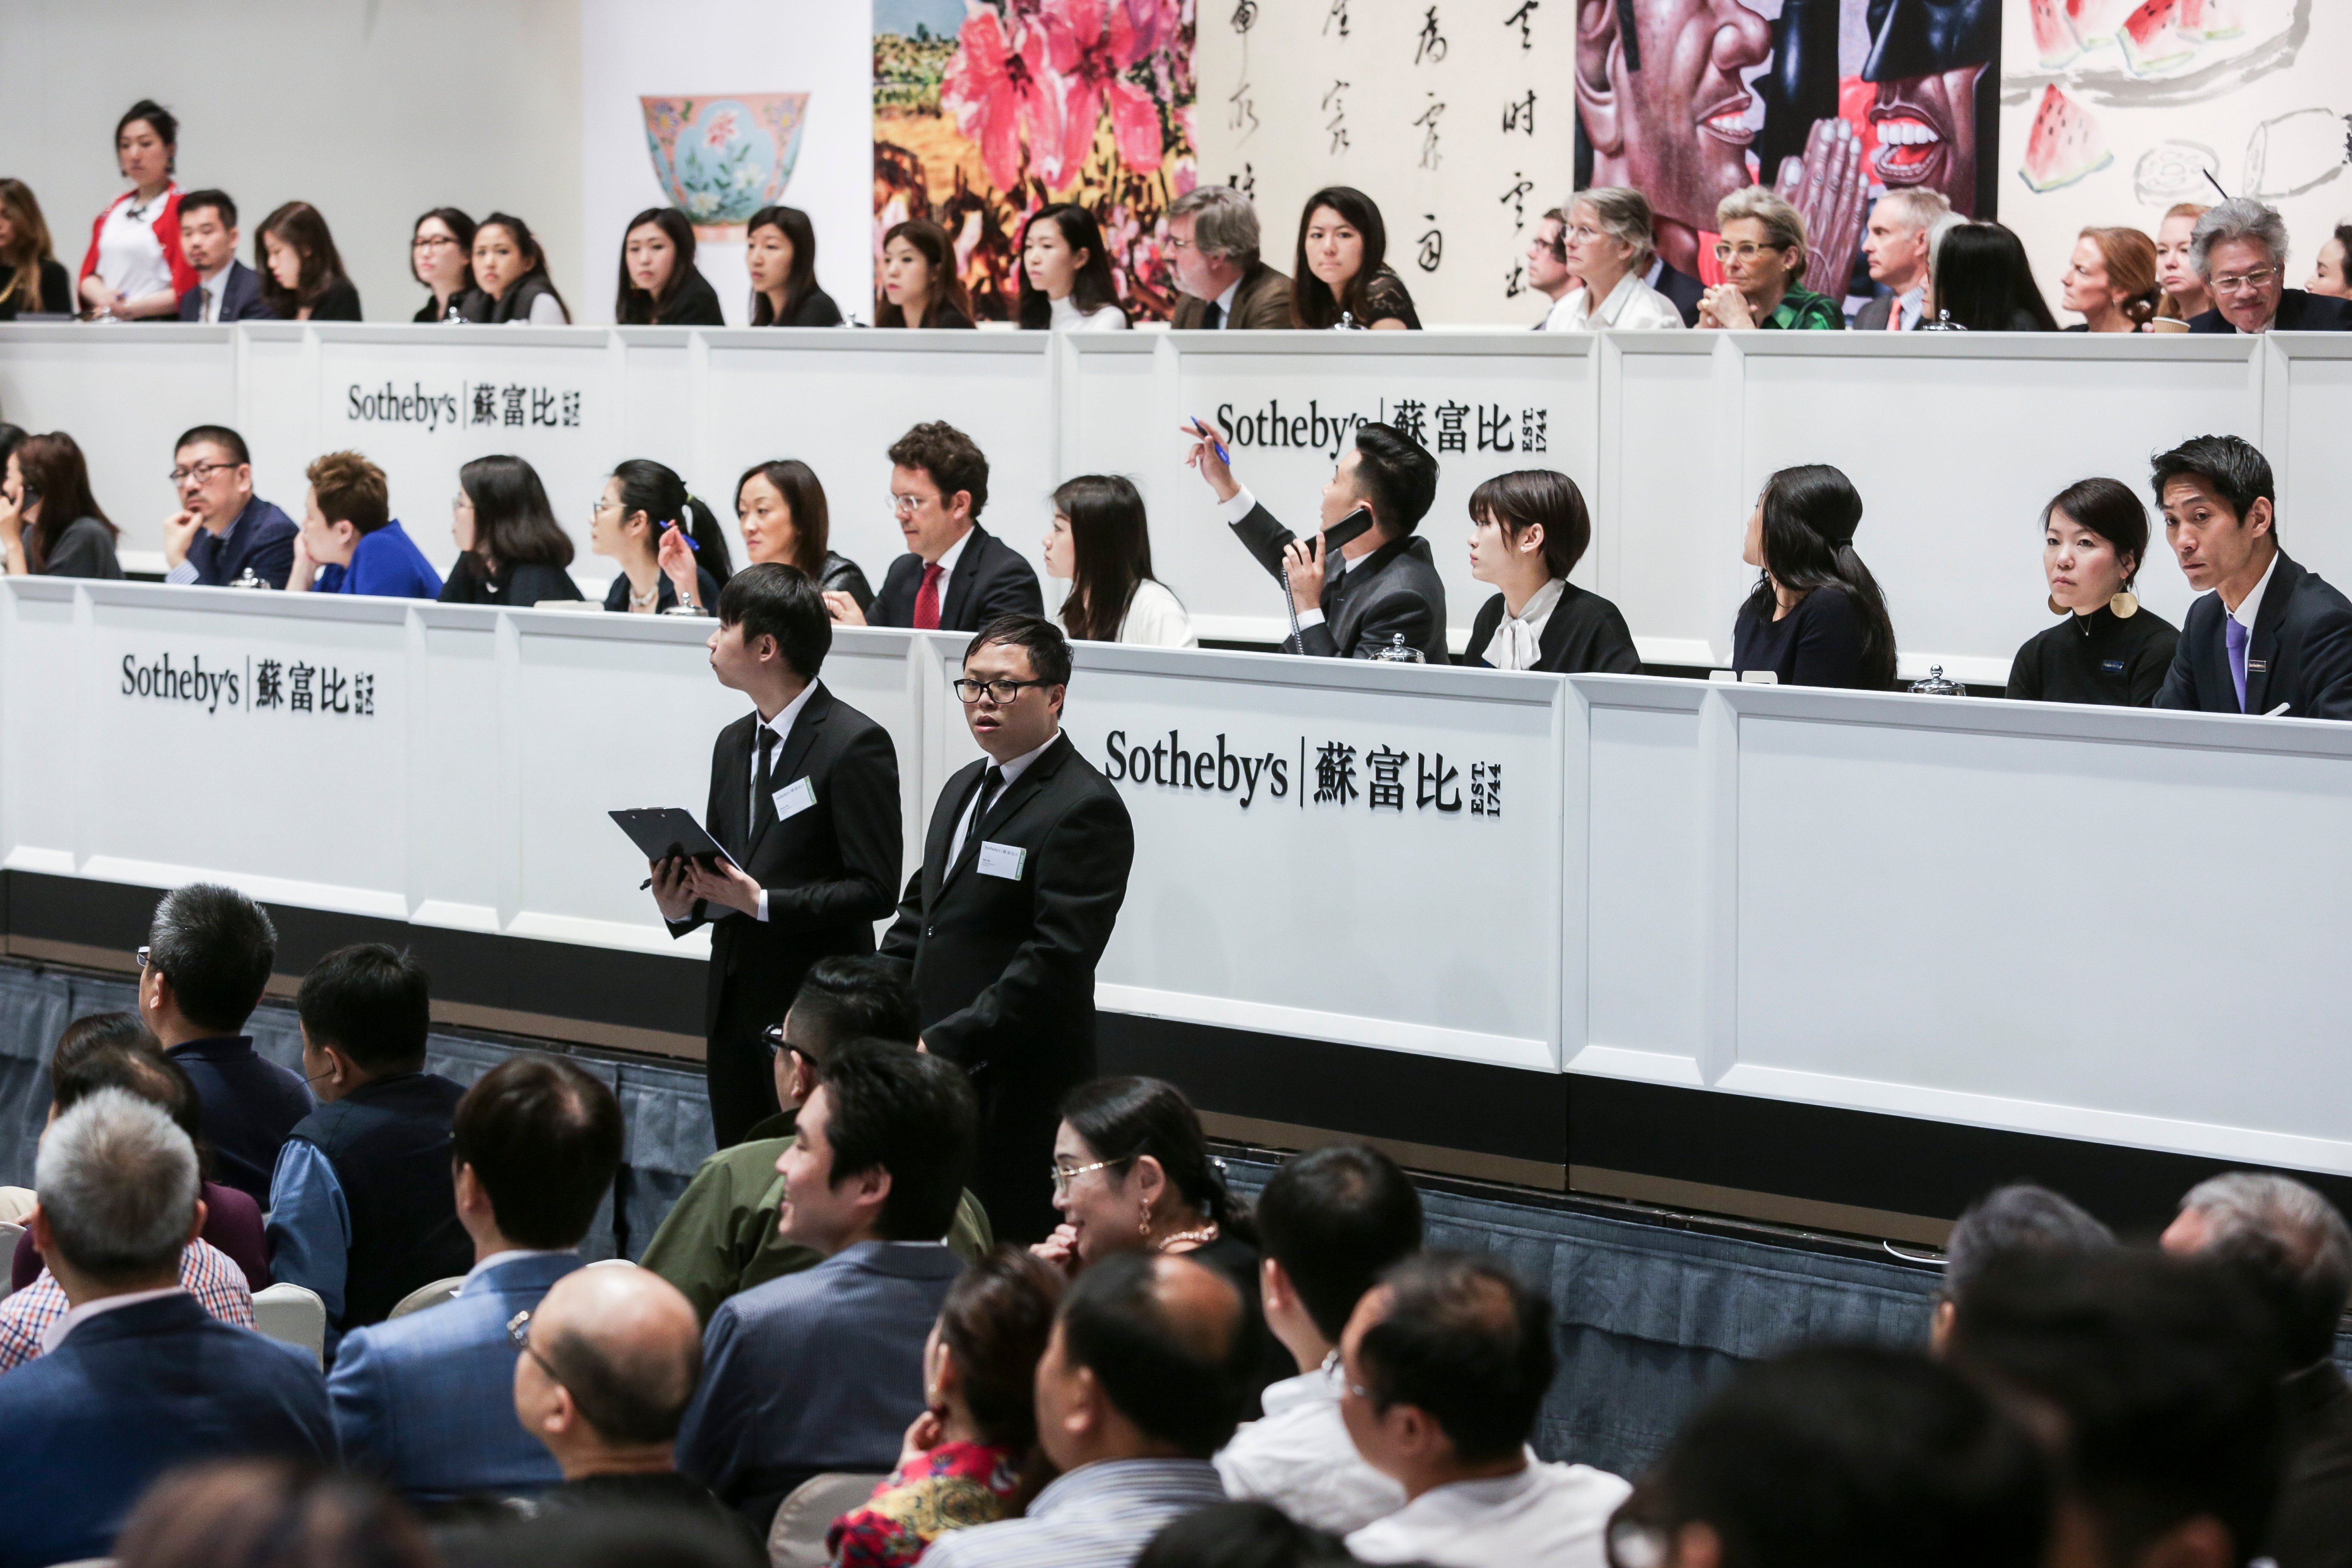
pixel 2185 294
pixel 2111 281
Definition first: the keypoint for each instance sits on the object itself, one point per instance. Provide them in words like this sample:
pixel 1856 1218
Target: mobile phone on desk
pixel 1348 529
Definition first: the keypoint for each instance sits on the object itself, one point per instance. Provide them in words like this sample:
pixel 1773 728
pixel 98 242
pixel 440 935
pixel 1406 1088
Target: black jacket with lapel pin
pixel 2300 653
pixel 989 579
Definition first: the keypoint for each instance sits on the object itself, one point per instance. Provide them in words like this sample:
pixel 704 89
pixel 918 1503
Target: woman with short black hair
pixel 780 510
pixel 1100 543
pixel 1341 276
pixel 510 550
pixel 302 277
pixel 780 250
pixel 2108 649
pixel 1816 617
pixel 660 286
pixel 643 506
pixel 510 271
pixel 441 257
pixel 1066 281
pixel 1528 531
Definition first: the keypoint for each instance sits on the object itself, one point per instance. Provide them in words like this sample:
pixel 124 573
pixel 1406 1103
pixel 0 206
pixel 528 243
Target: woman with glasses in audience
pixel 50 524
pixel 2110 281
pixel 1762 252
pixel 1066 281
pixel 780 508
pixel 643 519
pixel 1816 617
pixel 441 257
pixel 921 286
pixel 1606 244
pixel 780 250
pixel 1528 531
pixel 511 270
pixel 2185 294
pixel 33 281
pixel 660 286
pixel 1100 544
pixel 510 550
pixel 1340 276
pixel 134 269
pixel 971 1458
pixel 2107 650
pixel 1981 283
pixel 302 276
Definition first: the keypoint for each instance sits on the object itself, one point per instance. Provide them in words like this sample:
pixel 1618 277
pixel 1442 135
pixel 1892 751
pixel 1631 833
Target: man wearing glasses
pixel 956 576
pixel 222 529
pixel 1024 872
pixel 2239 249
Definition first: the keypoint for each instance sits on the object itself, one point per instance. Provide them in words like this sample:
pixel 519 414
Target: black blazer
pixel 465 300
pixel 2298 312
pixel 817 309
pixel 705 593
pixel 695 304
pixel 55 291
pixel 340 302
pixel 829 867
pixel 1004 968
pixel 991 579
pixel 1394 589
pixel 2300 654
pixel 240 298
pixel 843 575
pixel 516 586
pixel 1684 289
pixel 1585 636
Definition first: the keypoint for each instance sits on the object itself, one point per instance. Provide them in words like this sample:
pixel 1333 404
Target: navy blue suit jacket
pixel 240 298
pixel 2300 653
pixel 85 1429
pixel 262 538
pixel 249 1103
pixel 2298 312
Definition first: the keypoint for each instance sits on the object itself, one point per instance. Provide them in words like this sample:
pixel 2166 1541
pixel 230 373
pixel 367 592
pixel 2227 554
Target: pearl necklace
pixel 1202 1236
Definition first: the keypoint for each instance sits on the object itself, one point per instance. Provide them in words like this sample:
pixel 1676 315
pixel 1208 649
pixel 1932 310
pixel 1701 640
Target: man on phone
pixel 805 800
pixel 1366 578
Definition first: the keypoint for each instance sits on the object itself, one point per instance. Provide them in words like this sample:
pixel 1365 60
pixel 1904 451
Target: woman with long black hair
pixel 50 524
pixel 644 519
pixel 780 250
pixel 921 286
pixel 1066 281
pixel 510 550
pixel 1817 617
pixel 510 271
pixel 660 286
pixel 1100 543
pixel 302 277
pixel 1982 281
pixel 1341 269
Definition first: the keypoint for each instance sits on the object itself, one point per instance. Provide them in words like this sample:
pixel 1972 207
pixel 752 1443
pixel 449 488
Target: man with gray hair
pixel 1897 245
pixel 2293 1246
pixel 137 1379
pixel 2239 249
pixel 1213 237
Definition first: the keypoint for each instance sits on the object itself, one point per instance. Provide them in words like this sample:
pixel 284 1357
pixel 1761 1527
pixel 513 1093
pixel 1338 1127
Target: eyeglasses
pixel 458 503
pixel 1064 1174
pixel 519 1334
pixel 142 956
pixel 773 1036
pixel 2242 283
pixel 1176 244
pixel 1584 233
pixel 1744 251
pixel 907 506
pixel 999 691
pixel 431 241
pixel 200 472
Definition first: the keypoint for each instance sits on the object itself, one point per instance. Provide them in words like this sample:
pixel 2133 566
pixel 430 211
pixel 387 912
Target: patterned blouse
pixel 953 1487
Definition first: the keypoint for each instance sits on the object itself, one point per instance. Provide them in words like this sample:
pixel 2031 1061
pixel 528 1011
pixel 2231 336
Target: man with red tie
pixel 956 576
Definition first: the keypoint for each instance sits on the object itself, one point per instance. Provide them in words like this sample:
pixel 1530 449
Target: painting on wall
pixel 985 111
pixel 720 157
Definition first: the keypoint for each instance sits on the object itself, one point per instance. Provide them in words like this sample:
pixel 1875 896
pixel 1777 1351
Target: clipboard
pixel 662 832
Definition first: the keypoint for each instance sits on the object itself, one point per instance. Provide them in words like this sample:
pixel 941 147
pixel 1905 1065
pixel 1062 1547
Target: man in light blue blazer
pixel 426 1403
pixel 823 1370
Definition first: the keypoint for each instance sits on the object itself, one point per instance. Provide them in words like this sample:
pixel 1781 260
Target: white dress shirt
pixel 1517 643
pixel 1556 1515
pixel 1226 304
pixel 1334 564
pixel 130 258
pixel 1299 1457
pixel 1904 313
pixel 1068 317
pixel 1156 618
pixel 54 1334
pixel 2251 606
pixel 783 726
pixel 1013 772
pixel 1633 305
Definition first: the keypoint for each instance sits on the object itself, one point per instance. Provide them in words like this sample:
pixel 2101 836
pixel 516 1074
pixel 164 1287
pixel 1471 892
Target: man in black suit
pixel 1678 286
pixel 227 289
pixel 223 529
pixel 1024 871
pixel 804 798
pixel 1385 584
pixel 2271 636
pixel 2239 249
pixel 956 576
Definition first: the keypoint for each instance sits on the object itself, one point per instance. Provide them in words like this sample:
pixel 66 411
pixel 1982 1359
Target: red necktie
pixel 926 600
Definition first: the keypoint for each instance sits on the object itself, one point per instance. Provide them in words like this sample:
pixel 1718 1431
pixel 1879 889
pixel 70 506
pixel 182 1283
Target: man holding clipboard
pixel 805 803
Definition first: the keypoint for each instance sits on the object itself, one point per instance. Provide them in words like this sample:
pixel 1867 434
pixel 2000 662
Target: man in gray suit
pixel 1374 589
pixel 823 1370
pixel 1896 246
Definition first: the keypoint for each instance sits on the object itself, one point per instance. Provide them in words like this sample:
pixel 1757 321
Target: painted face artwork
pixel 1929 59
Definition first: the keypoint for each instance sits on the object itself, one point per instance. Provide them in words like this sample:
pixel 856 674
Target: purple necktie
pixel 2234 631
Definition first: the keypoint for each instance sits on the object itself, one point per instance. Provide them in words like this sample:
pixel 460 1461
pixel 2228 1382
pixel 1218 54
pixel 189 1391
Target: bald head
pixel 1159 1336
pixel 626 1344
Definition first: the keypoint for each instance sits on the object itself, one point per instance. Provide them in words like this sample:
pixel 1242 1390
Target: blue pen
pixel 1202 426
pixel 689 539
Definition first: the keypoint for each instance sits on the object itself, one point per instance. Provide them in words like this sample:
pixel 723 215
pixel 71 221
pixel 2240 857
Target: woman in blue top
pixel 1816 617
pixel 350 543
pixel 667 541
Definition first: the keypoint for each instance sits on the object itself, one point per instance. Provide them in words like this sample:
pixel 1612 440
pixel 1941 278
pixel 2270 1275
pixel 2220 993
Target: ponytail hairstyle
pixel 1809 516
pixel 1110 547
pixel 1092 289
pixel 656 490
pixel 632 306
pixel 799 277
pixel 526 242
pixel 2129 257
pixel 1123 1119
pixel 995 1320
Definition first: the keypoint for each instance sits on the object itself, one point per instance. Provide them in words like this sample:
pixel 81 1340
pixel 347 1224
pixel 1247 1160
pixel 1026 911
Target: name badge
pixel 2258 667
pixel 2112 666
pixel 1003 860
pixel 794 798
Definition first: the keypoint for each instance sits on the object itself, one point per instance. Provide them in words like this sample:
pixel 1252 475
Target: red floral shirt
pixel 953 1487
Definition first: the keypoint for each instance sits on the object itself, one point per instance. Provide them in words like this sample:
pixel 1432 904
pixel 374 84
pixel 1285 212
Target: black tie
pixel 763 796
pixel 1213 318
pixel 991 782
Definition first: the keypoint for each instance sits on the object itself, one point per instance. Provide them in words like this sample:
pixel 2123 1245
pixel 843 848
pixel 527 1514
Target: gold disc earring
pixel 2126 604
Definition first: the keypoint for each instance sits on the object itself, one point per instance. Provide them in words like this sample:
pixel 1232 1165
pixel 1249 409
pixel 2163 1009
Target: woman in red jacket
pixel 134 268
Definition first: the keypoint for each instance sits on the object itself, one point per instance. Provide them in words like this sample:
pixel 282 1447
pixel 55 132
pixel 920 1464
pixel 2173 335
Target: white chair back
pixel 294 1314
pixel 431 1295
pixel 9 1232
pixel 797 1540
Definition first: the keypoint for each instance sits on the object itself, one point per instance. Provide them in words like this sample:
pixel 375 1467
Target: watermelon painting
pixel 2066 145
pixel 2213 18
pixel 2054 35
pixel 2151 38
pixel 2096 21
